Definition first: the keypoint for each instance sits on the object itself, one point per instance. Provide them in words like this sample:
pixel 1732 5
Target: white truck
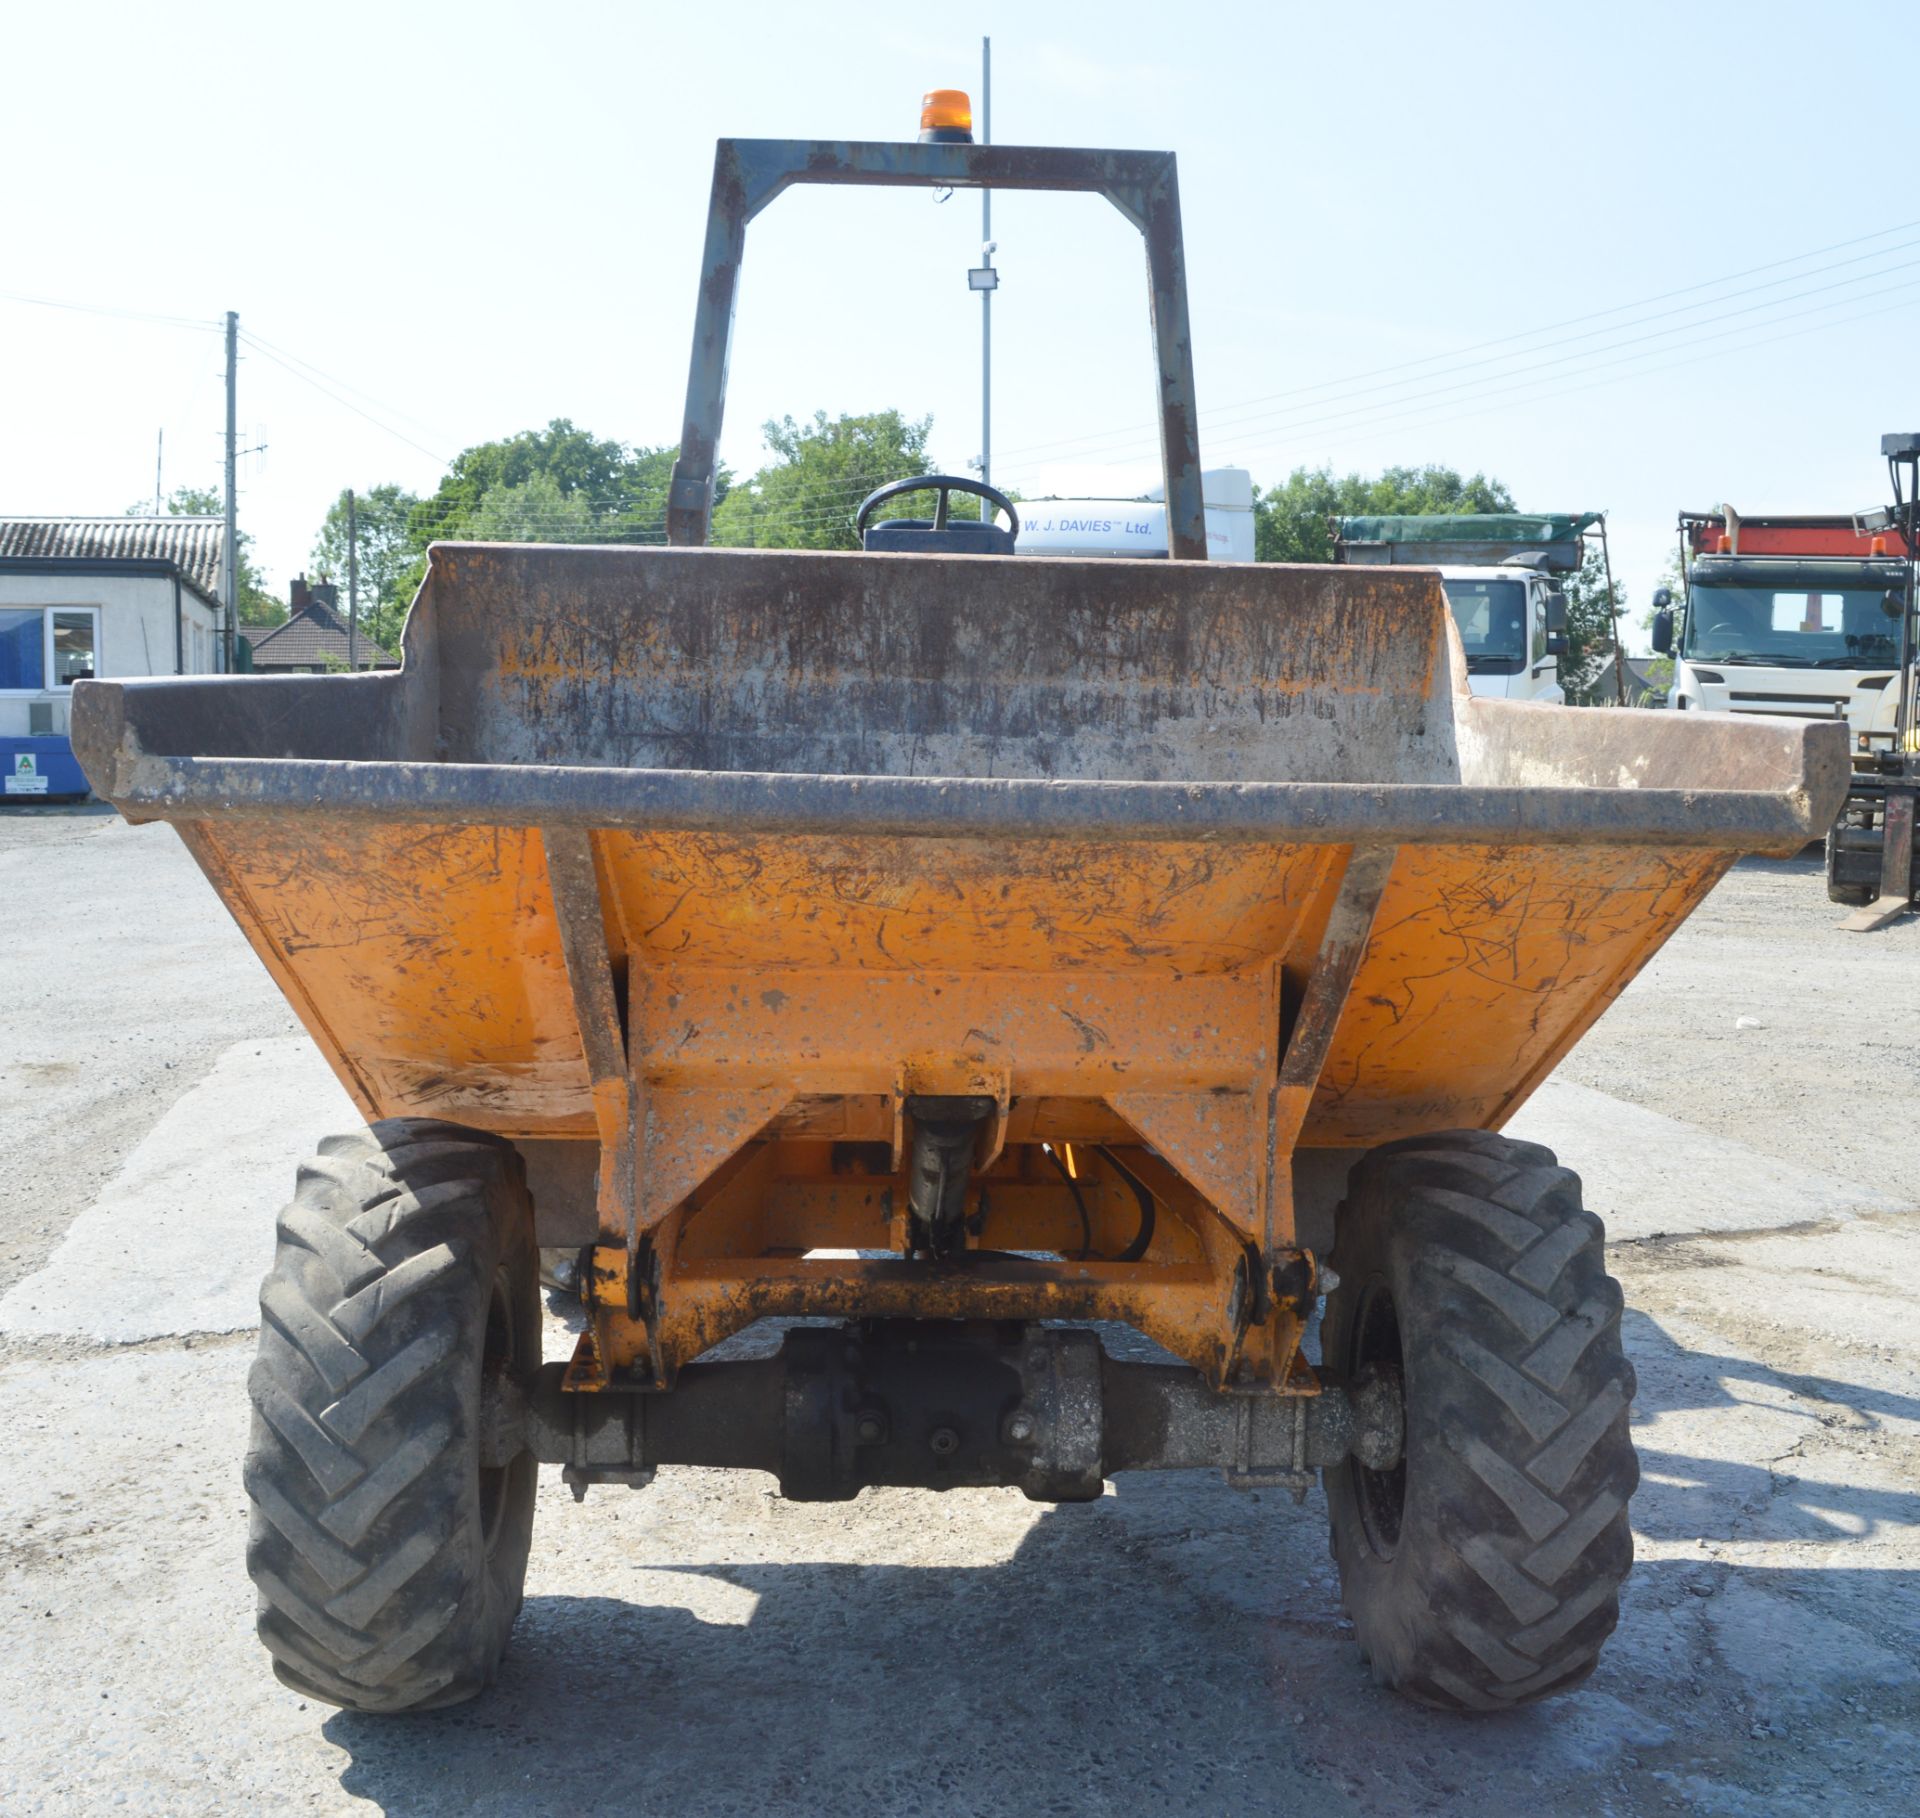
pixel 1794 615
pixel 1501 574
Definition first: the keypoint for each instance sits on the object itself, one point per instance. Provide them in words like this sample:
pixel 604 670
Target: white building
pixel 86 597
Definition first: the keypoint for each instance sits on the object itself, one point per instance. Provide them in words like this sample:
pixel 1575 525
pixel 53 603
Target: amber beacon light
pixel 946 117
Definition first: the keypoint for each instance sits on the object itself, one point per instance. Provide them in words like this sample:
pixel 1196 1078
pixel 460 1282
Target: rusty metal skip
pixel 942 944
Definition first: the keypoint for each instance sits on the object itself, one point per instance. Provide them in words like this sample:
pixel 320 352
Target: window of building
pixel 45 647
pixel 73 642
pixel 23 648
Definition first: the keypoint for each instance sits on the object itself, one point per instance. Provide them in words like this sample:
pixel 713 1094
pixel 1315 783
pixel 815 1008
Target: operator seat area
pixel 940 534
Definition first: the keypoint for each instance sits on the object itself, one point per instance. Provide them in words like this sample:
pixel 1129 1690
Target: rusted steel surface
pixel 797 695
pixel 749 173
pixel 774 1231
pixel 1336 963
pixel 806 665
pixel 783 807
pixel 1187 1310
pixel 573 875
pixel 1896 857
pixel 710 862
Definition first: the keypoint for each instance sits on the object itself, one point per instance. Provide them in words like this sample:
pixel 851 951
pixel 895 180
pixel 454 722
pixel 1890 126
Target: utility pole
pixel 353 585
pixel 232 579
pixel 1613 611
pixel 986 296
pixel 159 466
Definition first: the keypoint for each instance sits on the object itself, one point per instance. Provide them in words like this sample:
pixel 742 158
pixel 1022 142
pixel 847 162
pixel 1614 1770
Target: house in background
pixel 314 639
pixel 1642 689
pixel 86 597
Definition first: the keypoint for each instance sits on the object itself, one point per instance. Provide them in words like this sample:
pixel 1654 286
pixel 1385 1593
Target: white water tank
pixel 1138 527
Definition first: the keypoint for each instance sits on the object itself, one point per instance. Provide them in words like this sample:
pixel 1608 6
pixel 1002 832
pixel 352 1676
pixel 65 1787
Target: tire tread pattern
pixel 374 1589
pixel 1515 1541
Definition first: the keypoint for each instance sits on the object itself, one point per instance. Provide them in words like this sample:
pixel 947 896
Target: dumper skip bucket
pixel 661 859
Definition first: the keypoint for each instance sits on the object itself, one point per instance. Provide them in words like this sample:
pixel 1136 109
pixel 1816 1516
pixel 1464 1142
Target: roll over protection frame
pixel 749 173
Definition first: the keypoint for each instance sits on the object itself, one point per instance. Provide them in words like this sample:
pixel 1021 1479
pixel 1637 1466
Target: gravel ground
pixel 706 1648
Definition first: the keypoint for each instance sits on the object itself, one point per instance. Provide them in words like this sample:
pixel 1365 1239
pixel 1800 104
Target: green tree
pixel 558 484
pixel 257 605
pixel 623 489
pixel 388 556
pixel 537 510
pixel 1659 673
pixel 1291 519
pixel 807 497
pixel 1590 617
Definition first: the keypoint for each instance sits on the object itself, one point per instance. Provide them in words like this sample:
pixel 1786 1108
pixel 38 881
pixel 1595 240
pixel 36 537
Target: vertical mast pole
pixel 986 296
pixel 353 584
pixel 231 578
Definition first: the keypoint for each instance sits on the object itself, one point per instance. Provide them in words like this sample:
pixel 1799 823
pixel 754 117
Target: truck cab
pixel 1502 575
pixel 1511 624
pixel 1789 616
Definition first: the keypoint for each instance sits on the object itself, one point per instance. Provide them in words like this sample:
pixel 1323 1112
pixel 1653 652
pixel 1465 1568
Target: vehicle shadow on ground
pixel 86 807
pixel 1809 861
pixel 1178 1646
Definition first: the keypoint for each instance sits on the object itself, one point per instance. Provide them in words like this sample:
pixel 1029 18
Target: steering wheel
pixel 1713 631
pixel 943 484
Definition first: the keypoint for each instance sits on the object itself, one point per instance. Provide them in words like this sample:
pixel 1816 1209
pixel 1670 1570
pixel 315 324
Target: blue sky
pixel 480 217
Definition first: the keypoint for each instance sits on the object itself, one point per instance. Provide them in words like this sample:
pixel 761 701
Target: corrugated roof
pixel 193 545
pixel 310 640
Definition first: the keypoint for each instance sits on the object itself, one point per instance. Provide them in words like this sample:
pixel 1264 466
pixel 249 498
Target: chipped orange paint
pixel 715 901
pixel 428 960
pixel 1484 966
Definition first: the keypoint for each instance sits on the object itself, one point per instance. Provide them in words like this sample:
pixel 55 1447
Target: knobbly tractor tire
pixel 389 1560
pixel 1483 1572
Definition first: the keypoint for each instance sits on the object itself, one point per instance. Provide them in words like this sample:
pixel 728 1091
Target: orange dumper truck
pixel 965 954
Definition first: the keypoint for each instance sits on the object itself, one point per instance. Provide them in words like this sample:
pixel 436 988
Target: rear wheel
pixel 388 1552
pixel 1483 1571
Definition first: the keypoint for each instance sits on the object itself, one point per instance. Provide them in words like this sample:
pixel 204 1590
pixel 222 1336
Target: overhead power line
pixel 1682 328
pixel 1496 386
pixel 1500 383
pixel 1732 277
pixel 393 410
pixel 1365 434
pixel 1059 447
pixel 286 365
pixel 206 326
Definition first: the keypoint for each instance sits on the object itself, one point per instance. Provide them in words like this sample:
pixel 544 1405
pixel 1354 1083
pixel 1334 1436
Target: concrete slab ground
pixel 177 1242
pixel 703 1647
pixel 1650 1175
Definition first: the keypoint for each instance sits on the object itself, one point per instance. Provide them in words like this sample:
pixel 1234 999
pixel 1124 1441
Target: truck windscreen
pixel 1492 616
pixel 1790 626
